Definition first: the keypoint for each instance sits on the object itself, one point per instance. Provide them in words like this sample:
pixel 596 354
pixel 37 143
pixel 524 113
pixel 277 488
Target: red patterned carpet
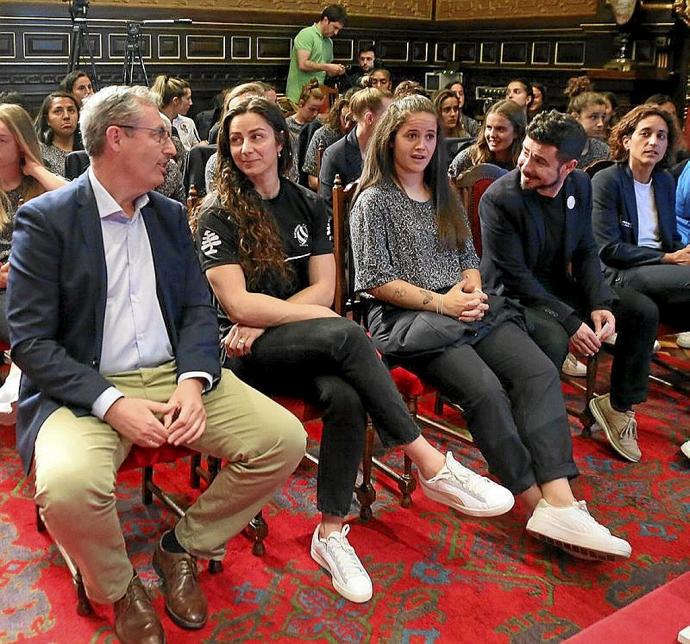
pixel 438 576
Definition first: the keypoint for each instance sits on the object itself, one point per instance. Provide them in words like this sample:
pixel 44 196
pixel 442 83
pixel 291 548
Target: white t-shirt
pixel 647 216
pixel 187 130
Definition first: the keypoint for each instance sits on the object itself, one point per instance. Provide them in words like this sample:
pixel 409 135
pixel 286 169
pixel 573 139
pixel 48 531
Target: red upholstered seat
pixel 409 385
pixel 304 410
pixel 147 456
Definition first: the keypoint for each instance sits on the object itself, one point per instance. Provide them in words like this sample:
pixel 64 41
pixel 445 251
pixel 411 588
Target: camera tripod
pixel 80 39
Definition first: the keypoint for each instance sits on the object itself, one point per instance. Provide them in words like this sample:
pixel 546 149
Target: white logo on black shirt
pixel 301 234
pixel 209 242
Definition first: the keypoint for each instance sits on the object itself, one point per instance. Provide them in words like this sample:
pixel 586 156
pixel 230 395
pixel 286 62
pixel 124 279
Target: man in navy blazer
pixel 634 217
pixel 113 328
pixel 344 157
pixel 538 245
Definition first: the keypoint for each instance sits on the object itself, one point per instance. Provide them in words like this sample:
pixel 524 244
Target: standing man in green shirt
pixel 312 51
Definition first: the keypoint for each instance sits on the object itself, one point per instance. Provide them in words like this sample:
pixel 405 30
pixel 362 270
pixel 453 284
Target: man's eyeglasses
pixel 160 134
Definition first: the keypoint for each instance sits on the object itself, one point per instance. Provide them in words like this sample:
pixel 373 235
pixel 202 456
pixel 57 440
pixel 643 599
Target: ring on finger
pixel 241 340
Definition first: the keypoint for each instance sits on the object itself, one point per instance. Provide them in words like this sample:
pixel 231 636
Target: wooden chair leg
pixel 366 495
pixel 40 526
pixel 407 483
pixel 586 416
pixel 146 478
pixel 438 404
pixel 84 607
pixel 194 477
pixel 213 467
pixel 259 531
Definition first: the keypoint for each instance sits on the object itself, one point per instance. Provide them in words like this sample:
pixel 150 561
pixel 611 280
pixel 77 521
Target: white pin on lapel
pixel 571 202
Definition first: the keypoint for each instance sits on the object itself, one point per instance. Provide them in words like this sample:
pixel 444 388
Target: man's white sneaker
pixel 683 340
pixel 470 493
pixel 685 448
pixel 573 367
pixel 576 531
pixel 338 557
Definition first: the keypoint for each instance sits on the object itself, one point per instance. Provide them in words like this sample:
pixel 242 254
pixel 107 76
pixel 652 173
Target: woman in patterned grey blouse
pixel 413 253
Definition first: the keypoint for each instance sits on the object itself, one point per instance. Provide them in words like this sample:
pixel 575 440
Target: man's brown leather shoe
pixel 184 600
pixel 136 621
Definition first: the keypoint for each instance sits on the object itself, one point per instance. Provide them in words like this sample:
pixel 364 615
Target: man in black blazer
pixel 344 157
pixel 112 325
pixel 538 244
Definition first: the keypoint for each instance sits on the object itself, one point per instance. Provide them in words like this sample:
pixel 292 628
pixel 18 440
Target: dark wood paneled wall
pixel 546 41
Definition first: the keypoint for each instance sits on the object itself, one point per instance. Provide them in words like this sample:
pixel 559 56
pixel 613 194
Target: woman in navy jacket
pixel 634 217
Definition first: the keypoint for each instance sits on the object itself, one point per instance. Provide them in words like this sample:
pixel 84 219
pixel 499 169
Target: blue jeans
pixel 332 362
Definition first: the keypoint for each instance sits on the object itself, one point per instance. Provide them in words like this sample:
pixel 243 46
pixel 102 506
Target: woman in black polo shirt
pixel 265 245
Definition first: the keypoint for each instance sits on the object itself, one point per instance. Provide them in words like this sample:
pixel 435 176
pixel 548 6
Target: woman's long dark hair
pixel 259 242
pixel 43 130
pixel 379 166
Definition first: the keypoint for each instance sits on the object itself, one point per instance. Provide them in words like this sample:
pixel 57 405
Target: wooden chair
pixel 194 170
pixel 411 388
pixel 139 458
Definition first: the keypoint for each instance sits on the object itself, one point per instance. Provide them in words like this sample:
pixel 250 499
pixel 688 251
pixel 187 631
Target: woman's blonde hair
pixel 18 122
pixel 167 88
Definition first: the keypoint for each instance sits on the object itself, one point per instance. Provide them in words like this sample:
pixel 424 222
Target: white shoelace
pixel 475 483
pixel 582 506
pixel 630 430
pixel 344 554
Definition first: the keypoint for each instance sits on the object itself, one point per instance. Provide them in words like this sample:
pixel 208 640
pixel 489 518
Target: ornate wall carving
pixel 399 9
pixel 508 9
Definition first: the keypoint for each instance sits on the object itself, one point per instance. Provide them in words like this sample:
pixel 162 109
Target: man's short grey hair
pixel 115 105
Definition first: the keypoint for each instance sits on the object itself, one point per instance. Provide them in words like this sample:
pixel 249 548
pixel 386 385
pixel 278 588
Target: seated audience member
pixel 22 177
pixel 14 98
pixel 682 205
pixel 94 385
pixel 612 115
pixel 206 118
pixel 174 98
pixel 380 79
pixel 469 127
pixel 448 110
pixel 270 93
pixel 308 108
pixel 78 84
pixel 498 143
pixel 538 103
pixel 519 91
pixel 173 184
pixel 538 244
pixel 185 126
pixel 481 357
pixel 335 126
pixel 345 156
pixel 634 217
pixel 56 127
pixel 275 289
pixel 407 88
pixel 589 109
pixel 243 90
pixel 665 102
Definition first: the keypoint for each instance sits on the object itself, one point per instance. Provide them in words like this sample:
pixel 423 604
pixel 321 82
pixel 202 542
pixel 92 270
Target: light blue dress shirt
pixel 134 332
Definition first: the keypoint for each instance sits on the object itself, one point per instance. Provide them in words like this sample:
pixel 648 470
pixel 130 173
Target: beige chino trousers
pixel 76 461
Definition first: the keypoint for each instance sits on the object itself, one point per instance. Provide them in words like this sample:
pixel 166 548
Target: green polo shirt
pixel 320 51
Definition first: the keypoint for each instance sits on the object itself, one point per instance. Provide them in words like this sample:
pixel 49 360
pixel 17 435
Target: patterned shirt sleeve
pixel 373 266
pixel 216 240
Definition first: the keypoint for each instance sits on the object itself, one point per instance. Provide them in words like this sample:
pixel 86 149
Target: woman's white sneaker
pixel 338 557
pixel 576 531
pixel 467 492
